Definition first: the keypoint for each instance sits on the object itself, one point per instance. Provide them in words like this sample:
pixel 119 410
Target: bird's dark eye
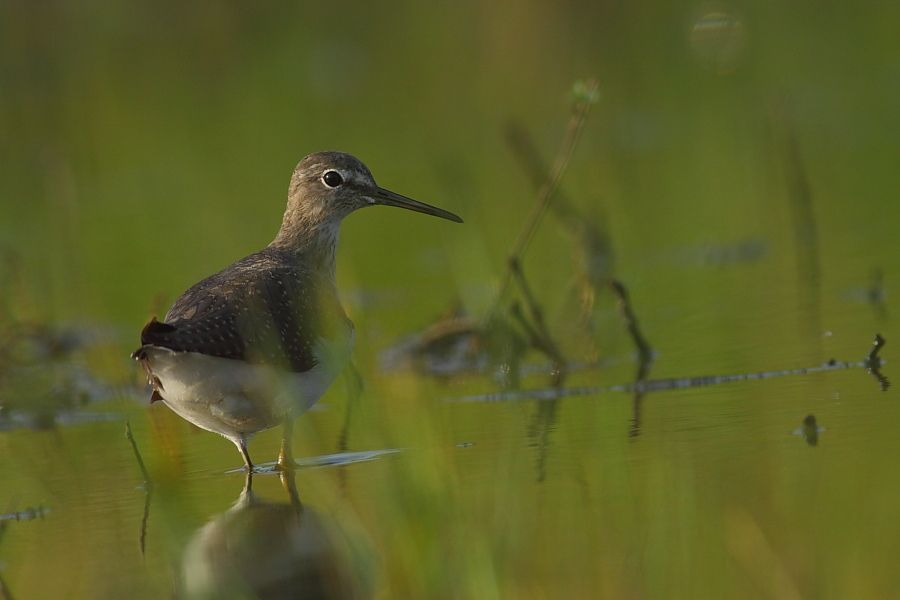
pixel 332 179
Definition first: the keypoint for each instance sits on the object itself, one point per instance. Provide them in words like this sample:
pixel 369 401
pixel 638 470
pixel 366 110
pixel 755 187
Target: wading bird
pixel 259 342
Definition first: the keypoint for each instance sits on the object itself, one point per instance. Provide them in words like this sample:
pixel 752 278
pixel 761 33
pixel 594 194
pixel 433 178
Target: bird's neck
pixel 311 244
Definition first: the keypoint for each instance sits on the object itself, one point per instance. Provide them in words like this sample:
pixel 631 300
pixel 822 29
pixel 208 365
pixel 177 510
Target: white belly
pixel 231 397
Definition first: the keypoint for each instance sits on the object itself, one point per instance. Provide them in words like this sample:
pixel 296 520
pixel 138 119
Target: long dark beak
pixel 389 198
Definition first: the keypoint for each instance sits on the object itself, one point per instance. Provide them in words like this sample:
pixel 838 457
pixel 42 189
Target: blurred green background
pixel 741 159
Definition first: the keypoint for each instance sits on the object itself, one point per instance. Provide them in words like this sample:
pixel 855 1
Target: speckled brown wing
pixel 265 314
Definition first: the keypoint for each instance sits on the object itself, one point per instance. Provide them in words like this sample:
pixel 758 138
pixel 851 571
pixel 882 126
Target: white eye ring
pixel 332 179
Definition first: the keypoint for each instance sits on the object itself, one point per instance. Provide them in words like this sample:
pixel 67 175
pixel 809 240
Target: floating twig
pixel 675 383
pixel 27 514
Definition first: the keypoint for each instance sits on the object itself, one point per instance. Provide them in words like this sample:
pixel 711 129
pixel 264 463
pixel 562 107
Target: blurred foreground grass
pixel 146 145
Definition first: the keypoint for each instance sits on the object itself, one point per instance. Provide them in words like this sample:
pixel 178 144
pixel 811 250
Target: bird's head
pixel 328 186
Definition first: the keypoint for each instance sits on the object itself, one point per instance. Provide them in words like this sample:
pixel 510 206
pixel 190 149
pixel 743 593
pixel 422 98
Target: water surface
pixel 739 166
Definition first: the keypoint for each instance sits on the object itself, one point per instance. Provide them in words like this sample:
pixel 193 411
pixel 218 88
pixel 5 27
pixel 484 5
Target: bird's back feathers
pixel 263 309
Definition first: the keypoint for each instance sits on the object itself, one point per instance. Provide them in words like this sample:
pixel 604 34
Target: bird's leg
pixel 354 383
pixel 241 443
pixel 246 496
pixel 290 486
pixel 286 456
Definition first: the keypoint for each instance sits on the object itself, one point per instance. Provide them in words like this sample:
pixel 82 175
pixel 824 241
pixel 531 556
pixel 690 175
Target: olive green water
pixel 742 159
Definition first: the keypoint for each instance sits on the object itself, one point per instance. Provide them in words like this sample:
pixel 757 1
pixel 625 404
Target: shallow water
pixel 738 169
pixel 420 488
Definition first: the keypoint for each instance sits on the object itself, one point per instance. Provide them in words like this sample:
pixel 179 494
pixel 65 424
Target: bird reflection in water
pixel 263 549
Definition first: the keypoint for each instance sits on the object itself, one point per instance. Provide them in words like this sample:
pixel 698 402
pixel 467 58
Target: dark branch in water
pixel 545 195
pixel 540 343
pixel 637 399
pixel 873 359
pixel 137 453
pixel 875 294
pixel 539 334
pixel 873 362
pixel 542 425
pixel 548 189
pixel 148 486
pixel 802 206
pixel 548 185
pixel 645 352
pixel 524 149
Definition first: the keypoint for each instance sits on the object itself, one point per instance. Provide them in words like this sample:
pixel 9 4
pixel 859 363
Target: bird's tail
pixel 140 355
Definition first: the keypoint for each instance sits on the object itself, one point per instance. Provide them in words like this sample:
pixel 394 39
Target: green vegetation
pixel 739 163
